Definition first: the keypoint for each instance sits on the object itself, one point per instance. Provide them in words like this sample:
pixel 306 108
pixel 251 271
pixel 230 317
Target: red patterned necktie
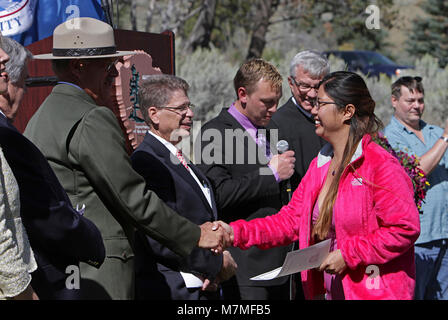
pixel 182 159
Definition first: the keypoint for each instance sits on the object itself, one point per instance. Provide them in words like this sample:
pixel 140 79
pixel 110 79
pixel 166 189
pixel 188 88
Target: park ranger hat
pixel 83 38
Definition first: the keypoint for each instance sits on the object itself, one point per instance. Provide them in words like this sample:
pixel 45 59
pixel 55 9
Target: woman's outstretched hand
pixel 228 240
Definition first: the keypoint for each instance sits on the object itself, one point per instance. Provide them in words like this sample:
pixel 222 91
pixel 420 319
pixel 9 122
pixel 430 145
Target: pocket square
pixel 81 210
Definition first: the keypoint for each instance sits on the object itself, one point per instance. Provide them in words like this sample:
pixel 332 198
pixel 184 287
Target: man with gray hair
pixel 159 273
pixel 294 121
pixel 17 73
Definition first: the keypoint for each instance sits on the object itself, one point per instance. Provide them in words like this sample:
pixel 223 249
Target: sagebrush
pixel 210 75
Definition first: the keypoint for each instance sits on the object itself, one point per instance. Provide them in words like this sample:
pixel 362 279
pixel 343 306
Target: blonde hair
pixel 253 71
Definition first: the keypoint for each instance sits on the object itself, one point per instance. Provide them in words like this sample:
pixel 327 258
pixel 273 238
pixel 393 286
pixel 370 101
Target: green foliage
pixel 188 26
pixel 272 55
pixel 210 75
pixel 319 25
pixel 410 164
pixel 230 15
pixel 430 33
pixel 345 22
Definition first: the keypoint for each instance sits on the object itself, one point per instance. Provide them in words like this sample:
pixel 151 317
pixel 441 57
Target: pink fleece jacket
pixel 376 222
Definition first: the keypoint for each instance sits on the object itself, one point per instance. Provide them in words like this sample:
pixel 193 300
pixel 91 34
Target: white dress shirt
pixel 205 189
pixel 191 281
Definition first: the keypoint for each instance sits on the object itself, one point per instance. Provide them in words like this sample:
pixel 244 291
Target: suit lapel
pixel 154 146
pixel 4 122
pixel 296 109
pixel 203 179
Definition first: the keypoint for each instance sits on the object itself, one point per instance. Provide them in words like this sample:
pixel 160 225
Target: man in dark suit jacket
pixel 59 235
pixel 293 120
pixel 161 274
pixel 295 124
pixel 236 158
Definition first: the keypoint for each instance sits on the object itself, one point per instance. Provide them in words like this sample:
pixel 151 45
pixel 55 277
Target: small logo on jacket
pixel 357 182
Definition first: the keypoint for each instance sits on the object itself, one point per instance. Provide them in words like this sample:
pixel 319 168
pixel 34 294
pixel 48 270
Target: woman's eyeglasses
pixel 318 104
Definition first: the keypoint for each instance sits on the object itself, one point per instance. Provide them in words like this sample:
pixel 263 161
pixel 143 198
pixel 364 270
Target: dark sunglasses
pixel 409 79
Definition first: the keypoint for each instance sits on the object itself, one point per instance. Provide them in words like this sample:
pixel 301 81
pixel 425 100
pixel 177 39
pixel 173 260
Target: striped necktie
pixel 262 142
pixel 182 159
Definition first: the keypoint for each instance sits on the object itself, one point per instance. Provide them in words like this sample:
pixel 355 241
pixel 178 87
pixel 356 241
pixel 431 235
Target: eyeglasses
pixel 182 109
pixel 305 87
pixel 318 104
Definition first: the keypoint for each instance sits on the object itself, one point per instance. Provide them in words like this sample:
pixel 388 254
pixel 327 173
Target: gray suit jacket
pixel 86 148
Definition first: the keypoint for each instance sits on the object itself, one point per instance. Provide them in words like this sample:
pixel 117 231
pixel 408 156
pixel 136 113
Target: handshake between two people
pixel 218 236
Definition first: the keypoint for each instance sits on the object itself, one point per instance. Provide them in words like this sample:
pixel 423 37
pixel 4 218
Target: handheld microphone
pixel 282 147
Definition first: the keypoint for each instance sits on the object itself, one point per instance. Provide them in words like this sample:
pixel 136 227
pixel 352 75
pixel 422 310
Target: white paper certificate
pixel 191 281
pixel 299 260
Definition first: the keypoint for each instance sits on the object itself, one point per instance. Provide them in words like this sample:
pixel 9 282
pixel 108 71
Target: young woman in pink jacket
pixel 354 193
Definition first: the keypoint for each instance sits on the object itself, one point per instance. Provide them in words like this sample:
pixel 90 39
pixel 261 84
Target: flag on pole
pixel 28 21
pixel 16 16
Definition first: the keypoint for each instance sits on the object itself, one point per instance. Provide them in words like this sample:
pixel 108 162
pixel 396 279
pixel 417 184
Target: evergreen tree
pixel 430 33
pixel 346 23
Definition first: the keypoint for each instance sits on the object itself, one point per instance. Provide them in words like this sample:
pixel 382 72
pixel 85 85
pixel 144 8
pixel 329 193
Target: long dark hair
pixel 346 88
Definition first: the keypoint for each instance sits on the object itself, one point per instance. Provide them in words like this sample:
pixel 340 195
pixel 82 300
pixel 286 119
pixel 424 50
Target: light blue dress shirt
pixel 434 220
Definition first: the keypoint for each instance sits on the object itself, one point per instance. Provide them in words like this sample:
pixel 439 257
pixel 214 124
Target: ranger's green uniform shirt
pixel 85 146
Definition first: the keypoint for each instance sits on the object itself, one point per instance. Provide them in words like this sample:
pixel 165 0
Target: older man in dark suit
pixel 59 235
pixel 294 123
pixel 236 157
pixel 161 274
pixel 293 120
